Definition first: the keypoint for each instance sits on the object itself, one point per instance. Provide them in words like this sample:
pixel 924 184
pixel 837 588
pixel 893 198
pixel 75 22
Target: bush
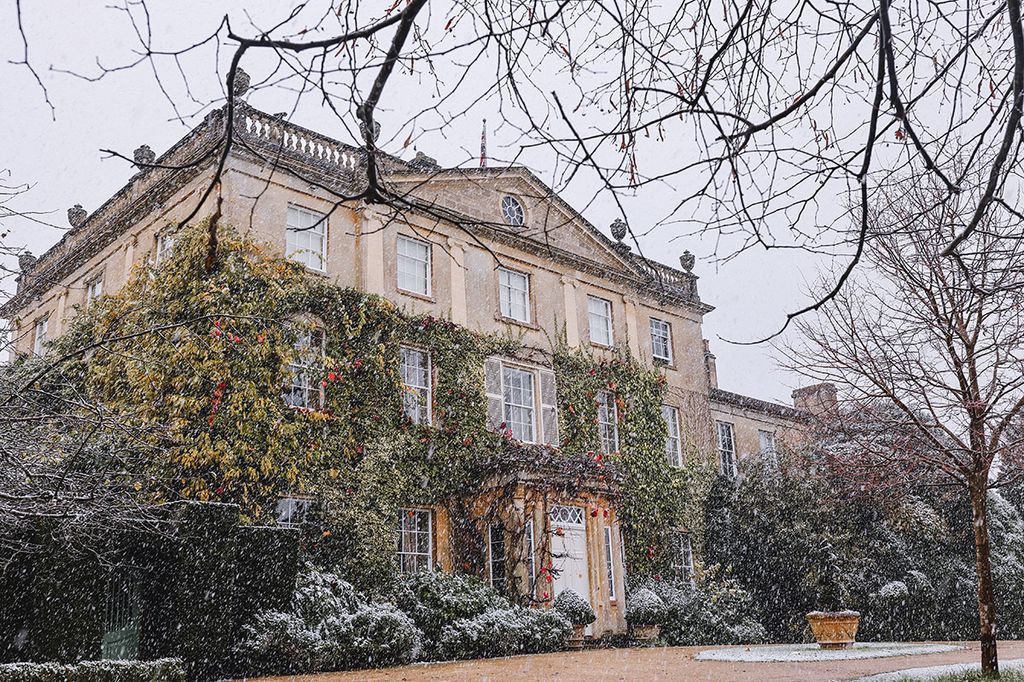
pixel 162 670
pixel 505 632
pixel 713 611
pixel 329 627
pixel 435 600
pixel 575 608
pixel 644 607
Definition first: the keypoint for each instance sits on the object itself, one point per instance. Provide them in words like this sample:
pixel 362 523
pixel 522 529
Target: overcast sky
pixel 59 155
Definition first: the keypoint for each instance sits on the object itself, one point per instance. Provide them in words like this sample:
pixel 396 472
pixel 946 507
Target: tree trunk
pixel 983 568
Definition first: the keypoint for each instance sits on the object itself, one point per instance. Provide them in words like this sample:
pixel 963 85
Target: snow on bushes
pixel 575 608
pixel 505 632
pixel 644 607
pixel 711 611
pixel 161 670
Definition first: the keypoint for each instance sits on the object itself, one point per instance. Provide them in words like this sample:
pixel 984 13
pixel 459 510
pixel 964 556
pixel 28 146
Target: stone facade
pixel 457 215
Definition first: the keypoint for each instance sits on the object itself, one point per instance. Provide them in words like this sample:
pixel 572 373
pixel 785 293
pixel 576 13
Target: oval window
pixel 512 211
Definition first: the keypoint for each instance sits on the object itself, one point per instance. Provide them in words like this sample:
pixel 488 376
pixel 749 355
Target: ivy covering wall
pixel 198 357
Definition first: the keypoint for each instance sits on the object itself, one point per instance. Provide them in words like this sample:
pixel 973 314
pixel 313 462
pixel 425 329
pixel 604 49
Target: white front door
pixel 569 551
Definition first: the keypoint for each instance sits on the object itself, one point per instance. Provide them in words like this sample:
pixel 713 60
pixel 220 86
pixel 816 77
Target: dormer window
pixel 513 211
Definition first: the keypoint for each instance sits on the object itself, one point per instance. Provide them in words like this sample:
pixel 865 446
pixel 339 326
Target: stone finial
pixel 26 260
pixel 240 84
pixel 687 260
pixel 362 130
pixel 77 215
pixel 144 156
pixel 619 229
pixel 424 162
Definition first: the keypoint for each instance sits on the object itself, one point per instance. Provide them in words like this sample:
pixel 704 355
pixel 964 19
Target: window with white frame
pixel 496 555
pixel 306 238
pixel 599 313
pixel 673 442
pixel 514 294
pixel 93 289
pixel 766 440
pixel 726 449
pixel 415 540
pixel 682 563
pixel 416 402
pixel 661 340
pixel 42 326
pixel 512 211
pixel 608 421
pixel 609 561
pixel 519 403
pixel 531 556
pixel 413 265
pixel 164 245
pixel 301 389
pixel 293 511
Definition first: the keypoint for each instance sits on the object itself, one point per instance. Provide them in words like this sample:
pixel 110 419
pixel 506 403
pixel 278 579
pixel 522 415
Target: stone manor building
pixel 502 252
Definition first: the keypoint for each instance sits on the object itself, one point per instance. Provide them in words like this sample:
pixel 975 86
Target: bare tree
pixel 935 346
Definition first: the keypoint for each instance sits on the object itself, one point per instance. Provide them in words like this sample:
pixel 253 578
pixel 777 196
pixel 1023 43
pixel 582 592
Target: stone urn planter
pixel 576 641
pixel 646 633
pixel 834 629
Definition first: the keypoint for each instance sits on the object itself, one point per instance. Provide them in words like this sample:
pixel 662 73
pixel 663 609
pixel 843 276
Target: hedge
pixel 162 670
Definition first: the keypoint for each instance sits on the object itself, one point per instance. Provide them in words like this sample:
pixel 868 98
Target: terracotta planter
pixel 646 633
pixel 834 629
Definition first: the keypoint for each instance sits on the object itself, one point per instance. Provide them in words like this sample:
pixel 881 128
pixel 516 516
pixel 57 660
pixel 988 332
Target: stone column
pixel 372 256
pixel 129 256
pixel 457 250
pixel 58 328
pixel 632 329
pixel 572 319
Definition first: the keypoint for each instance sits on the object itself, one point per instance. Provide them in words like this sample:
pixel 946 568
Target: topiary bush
pixel 711 611
pixel 435 600
pixel 505 632
pixel 161 670
pixel 575 608
pixel 644 607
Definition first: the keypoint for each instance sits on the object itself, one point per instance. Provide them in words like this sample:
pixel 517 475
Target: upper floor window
pixel 416 402
pixel 514 292
pixel 293 511
pixel 413 265
pixel 608 421
pixel 512 211
pixel 519 403
pixel 599 312
pixel 766 439
pixel 164 245
pixel 39 334
pixel 415 540
pixel 661 340
pixel 682 562
pixel 93 289
pixel 306 240
pixel 726 449
pixel 673 442
pixel 301 389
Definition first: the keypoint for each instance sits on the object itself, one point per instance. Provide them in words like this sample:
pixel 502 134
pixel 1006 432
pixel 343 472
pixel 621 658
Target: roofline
pixel 720 396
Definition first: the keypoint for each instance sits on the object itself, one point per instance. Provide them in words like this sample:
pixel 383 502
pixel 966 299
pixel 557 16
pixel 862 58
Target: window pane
pixel 416 403
pixel 414 540
pixel 600 316
pixel 661 340
pixel 306 237
pixel 673 442
pixel 608 421
pixel 609 562
pixel 727 449
pixel 519 403
pixel 514 294
pixel 301 389
pixel 413 265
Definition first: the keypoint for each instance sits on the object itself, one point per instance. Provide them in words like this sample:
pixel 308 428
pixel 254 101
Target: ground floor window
pixel 683 564
pixel 609 561
pixel 293 511
pixel 415 540
pixel 496 555
pixel 531 555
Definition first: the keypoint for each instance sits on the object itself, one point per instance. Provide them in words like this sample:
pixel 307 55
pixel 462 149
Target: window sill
pixel 417 295
pixel 662 362
pixel 604 346
pixel 518 323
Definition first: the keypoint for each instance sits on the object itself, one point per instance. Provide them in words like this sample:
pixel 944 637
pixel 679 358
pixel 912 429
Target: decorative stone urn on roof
pixel 77 215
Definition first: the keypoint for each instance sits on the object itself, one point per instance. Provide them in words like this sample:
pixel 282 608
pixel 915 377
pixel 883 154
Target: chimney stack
pixel 709 365
pixel 818 399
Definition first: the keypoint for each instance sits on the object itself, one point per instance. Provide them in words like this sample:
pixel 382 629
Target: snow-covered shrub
pixel 161 670
pixel 434 600
pixel 574 607
pixel 505 632
pixel 644 607
pixel 329 627
pixel 712 611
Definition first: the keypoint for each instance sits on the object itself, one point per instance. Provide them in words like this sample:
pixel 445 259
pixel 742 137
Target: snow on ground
pixel 938 670
pixel 812 652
